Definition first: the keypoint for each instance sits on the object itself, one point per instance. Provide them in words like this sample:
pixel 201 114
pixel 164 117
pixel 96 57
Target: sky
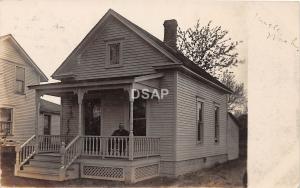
pixel 49 30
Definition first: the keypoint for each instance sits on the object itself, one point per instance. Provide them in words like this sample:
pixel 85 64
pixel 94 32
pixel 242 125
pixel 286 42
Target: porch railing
pixel 25 152
pixel 145 146
pixel 118 146
pixel 53 143
pixel 106 146
pixel 5 128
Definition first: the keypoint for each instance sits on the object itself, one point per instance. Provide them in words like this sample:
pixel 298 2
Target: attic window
pixel 114 54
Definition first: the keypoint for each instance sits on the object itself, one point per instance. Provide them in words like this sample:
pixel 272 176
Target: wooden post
pixel 80 95
pixel 62 152
pixel 131 137
pixel 17 164
pixel 37 115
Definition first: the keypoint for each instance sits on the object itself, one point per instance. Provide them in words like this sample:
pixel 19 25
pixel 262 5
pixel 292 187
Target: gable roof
pixel 27 58
pixel 49 107
pixel 174 55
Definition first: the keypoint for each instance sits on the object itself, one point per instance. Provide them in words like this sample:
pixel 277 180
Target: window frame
pixel 107 60
pixel 12 118
pixel 143 118
pixel 201 101
pixel 216 124
pixel 16 80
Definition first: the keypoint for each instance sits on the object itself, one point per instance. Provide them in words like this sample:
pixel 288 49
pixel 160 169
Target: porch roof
pixel 136 82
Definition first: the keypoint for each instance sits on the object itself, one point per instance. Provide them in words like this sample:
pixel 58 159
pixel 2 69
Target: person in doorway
pixel 119 144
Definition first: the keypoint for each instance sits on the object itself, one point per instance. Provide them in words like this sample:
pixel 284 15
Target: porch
pixel 95 157
pixel 96 108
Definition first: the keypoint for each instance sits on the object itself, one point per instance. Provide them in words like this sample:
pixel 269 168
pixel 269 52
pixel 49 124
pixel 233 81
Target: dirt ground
pixel 223 175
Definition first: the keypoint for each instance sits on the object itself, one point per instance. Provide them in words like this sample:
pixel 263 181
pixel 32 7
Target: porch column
pixel 37 116
pixel 131 138
pixel 80 94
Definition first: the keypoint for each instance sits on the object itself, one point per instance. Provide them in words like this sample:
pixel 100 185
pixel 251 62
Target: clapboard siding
pixel 162 119
pixel 9 53
pixel 138 56
pixel 23 105
pixel 186 141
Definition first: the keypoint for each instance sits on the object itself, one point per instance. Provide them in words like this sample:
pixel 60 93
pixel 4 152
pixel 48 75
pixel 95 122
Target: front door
pixel 92 119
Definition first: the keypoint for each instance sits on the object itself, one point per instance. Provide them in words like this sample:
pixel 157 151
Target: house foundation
pixel 119 170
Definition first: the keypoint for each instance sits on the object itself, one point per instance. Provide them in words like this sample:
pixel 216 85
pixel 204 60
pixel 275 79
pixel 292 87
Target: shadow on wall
pixel 243 134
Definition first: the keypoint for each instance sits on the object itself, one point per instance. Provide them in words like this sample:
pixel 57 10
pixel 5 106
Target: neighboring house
pixel 232 137
pixel 49 119
pixel 184 131
pixel 17 102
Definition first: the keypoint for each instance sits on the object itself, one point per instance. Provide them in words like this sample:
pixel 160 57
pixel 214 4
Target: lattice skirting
pixel 146 172
pixel 101 172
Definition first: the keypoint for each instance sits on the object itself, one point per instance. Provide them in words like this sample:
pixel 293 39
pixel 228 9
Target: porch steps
pixel 46 166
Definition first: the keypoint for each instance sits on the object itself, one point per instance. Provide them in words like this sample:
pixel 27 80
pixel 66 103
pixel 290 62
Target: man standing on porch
pixel 121 131
pixel 121 144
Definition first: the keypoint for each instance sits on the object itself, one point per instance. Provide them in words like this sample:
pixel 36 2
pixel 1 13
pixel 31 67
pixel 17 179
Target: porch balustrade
pixel 52 143
pixel 103 146
pixel 145 146
pixel 25 152
pixel 118 146
pixel 106 146
pixel 71 147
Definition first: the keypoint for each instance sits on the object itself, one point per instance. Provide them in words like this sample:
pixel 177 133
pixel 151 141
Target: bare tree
pixel 237 101
pixel 209 47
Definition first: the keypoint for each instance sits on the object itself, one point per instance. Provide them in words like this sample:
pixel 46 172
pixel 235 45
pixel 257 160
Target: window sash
pixel 20 74
pixel 6 121
pixel 20 86
pixel 47 124
pixel 200 123
pixel 20 79
pixel 217 127
pixel 114 53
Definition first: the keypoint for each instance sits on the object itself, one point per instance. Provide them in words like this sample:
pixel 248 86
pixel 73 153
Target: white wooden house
pixel 186 130
pixel 17 102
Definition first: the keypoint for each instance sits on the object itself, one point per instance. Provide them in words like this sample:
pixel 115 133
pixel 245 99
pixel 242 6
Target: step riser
pixel 47 160
pixel 44 164
pixel 47 157
pixel 47 167
pixel 40 170
pixel 38 176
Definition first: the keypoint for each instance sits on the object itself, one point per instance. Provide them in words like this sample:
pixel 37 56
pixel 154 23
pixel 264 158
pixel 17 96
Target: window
pixel 20 80
pixel 6 120
pixel 200 124
pixel 217 127
pixel 47 124
pixel 139 117
pixel 114 53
